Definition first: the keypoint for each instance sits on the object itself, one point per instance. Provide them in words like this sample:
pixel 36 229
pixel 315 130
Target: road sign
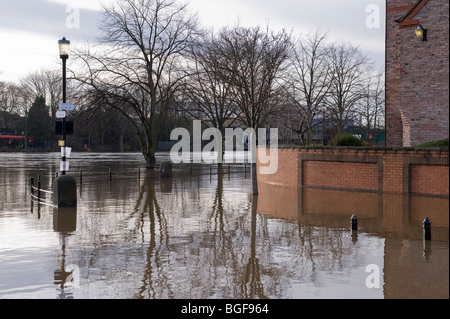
pixel 60 114
pixel 61 142
pixel 64 166
pixel 69 127
pixel 66 107
pixel 65 151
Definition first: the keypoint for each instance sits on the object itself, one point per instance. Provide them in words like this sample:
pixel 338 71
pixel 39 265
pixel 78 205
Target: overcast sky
pixel 30 29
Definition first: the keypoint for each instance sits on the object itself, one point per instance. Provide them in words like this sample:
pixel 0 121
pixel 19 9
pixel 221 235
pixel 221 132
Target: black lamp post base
pixel 65 191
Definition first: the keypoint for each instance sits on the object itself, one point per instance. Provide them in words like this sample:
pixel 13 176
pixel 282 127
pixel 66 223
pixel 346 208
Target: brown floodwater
pixel 203 235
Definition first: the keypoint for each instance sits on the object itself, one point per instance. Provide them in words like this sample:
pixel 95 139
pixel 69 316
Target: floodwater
pixel 201 235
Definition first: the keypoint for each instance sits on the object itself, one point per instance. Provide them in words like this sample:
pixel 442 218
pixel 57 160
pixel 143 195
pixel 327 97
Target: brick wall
pixel 429 179
pixel 417 79
pixel 362 176
pixel 287 169
pixel 387 170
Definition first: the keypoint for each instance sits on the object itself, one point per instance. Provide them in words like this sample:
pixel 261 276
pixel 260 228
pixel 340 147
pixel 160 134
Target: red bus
pixel 7 139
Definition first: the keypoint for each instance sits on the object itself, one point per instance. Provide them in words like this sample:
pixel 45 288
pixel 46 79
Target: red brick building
pixel 417 72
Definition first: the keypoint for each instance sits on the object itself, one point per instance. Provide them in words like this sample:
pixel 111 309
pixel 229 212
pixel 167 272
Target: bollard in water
pixel 427 229
pixel 165 170
pixel 354 222
pixel 65 191
pixel 32 184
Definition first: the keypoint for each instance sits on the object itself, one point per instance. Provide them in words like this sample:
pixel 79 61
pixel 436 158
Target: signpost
pixel 60 114
pixel 65 151
pixel 68 129
pixel 66 107
pixel 63 166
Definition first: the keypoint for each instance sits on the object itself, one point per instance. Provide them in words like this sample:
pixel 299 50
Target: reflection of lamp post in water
pixel 64 222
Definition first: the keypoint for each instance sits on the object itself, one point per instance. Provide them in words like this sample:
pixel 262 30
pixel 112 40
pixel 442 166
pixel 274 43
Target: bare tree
pixel 209 96
pixel 309 82
pixel 136 70
pixel 253 60
pixel 46 83
pixel 350 68
pixel 9 102
pixel 371 108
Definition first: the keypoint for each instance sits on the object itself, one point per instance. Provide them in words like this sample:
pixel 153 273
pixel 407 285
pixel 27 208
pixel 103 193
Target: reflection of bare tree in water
pixel 221 239
pixel 148 207
pixel 320 248
pixel 252 286
pixel 217 216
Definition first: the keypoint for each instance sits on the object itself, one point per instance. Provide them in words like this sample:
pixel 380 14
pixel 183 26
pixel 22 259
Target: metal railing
pixel 37 192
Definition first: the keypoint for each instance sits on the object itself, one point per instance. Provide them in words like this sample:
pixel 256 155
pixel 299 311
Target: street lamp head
pixel 64 46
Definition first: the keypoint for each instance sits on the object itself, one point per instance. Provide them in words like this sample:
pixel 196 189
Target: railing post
pixel 39 186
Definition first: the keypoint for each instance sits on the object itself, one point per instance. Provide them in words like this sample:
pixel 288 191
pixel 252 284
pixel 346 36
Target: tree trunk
pixel 150 162
pixel 254 179
pixel 121 136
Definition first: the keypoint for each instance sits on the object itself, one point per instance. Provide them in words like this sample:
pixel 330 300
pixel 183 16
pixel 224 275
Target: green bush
pixel 441 143
pixel 346 140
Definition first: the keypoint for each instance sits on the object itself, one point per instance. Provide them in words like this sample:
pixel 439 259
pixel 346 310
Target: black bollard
pixel 427 229
pixel 110 177
pixel 165 170
pixel 354 222
pixel 32 185
pixel 81 177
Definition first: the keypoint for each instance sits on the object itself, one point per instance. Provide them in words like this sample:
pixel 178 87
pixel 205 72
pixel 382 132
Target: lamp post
pixel 64 46
pixel 65 186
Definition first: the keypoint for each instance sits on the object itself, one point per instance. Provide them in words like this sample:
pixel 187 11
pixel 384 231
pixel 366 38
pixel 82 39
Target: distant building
pixel 417 72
